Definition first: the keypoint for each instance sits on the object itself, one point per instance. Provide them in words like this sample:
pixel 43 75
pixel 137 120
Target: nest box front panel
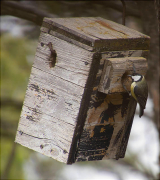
pixel 53 98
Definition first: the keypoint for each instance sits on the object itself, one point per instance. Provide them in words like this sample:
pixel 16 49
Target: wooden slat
pixel 115 69
pixel 73 69
pixel 124 134
pixel 96 32
pixel 54 97
pixel 105 118
pixel 42 145
pixel 106 121
pixel 88 92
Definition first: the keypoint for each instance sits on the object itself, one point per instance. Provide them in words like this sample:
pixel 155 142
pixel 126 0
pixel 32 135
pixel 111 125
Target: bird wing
pixel 141 96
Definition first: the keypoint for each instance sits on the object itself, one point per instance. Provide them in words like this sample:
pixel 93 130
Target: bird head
pixel 136 77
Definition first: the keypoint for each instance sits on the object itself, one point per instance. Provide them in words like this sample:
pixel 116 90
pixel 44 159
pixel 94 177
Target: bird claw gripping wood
pixel 52 58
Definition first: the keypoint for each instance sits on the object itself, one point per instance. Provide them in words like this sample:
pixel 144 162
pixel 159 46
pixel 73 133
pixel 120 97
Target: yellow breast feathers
pixel 132 90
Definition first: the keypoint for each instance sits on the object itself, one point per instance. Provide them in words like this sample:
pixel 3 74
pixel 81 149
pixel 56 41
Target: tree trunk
pixel 150 27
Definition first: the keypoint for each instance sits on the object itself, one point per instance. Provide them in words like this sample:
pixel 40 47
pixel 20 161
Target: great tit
pixel 139 90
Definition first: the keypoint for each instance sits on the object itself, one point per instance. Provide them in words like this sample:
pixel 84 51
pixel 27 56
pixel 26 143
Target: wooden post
pixel 75 108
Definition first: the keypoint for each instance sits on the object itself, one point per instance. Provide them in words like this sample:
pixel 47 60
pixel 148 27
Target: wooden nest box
pixel 75 107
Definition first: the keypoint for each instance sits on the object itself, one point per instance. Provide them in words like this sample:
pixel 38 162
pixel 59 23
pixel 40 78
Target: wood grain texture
pixel 53 98
pixel 125 132
pixel 115 69
pixel 73 69
pixel 88 92
pixel 103 130
pixel 96 34
pixel 105 118
pixel 64 115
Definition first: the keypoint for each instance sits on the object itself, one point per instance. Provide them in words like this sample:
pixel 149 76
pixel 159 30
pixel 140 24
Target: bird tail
pixel 141 111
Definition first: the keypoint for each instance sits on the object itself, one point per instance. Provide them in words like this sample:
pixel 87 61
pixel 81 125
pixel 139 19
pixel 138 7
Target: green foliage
pixel 15 68
pixel 21 154
pixel 17 55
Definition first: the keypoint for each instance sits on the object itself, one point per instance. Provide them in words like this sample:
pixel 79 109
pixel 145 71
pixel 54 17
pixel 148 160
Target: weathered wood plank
pixel 54 97
pixel 73 69
pixel 88 92
pixel 43 146
pixel 56 82
pixel 106 117
pixel 78 55
pixel 114 71
pixel 48 29
pixel 96 32
pixel 64 107
pixel 124 137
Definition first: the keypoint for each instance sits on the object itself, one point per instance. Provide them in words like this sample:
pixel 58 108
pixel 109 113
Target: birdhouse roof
pixel 96 34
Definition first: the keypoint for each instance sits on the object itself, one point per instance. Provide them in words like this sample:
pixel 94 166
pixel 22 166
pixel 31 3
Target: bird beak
pixel 129 75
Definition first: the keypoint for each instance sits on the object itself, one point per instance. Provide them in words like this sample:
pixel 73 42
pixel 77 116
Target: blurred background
pixel 19 33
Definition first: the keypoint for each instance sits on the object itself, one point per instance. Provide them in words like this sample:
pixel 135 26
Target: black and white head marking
pixel 136 77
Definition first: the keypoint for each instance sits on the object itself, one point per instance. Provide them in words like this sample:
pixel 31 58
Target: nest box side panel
pixel 123 134
pixel 106 132
pixel 53 98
